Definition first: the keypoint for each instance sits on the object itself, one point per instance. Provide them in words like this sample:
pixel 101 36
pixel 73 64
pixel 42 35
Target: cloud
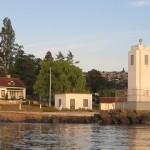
pixel 140 3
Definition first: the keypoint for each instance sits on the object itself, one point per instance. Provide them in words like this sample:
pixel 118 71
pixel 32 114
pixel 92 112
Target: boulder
pixel 106 117
pixel 55 120
pixel 89 119
pixel 46 119
pixel 133 117
pixel 116 117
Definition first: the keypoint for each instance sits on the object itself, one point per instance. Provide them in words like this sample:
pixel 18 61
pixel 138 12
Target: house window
pixel 132 59
pixel 85 102
pixel 11 83
pixel 146 59
pixel 2 93
pixel 59 102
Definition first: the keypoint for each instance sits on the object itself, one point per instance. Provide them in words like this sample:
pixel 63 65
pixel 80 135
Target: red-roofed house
pixel 107 103
pixel 13 87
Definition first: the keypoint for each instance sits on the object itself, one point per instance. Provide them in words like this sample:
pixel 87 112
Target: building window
pixel 85 102
pixel 59 102
pixel 11 83
pixel 2 93
pixel 132 59
pixel 146 59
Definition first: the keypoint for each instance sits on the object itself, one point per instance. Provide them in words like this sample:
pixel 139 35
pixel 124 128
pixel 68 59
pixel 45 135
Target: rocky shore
pixel 121 117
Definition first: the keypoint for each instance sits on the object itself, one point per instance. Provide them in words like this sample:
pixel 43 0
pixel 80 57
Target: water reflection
pixel 73 136
pixel 139 137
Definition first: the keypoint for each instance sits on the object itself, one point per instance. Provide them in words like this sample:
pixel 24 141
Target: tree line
pixel 35 72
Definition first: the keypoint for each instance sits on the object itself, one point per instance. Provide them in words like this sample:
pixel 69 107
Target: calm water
pixel 73 136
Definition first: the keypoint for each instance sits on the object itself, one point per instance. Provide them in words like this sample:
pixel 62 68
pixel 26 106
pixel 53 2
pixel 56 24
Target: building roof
pixel 72 93
pixel 11 82
pixel 112 99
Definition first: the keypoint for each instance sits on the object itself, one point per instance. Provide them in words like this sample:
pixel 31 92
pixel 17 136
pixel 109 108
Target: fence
pixel 137 99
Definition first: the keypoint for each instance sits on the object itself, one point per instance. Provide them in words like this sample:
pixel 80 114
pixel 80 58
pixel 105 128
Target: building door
pixel 72 104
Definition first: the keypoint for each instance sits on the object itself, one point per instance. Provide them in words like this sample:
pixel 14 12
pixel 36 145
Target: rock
pixel 116 117
pixel 77 119
pixel 133 117
pixel 105 117
pixel 82 120
pixel 89 119
pixel 124 118
pixel 31 120
pixel 100 122
pixel 145 118
pixel 46 119
pixel 55 120
pixel 124 112
pixel 65 119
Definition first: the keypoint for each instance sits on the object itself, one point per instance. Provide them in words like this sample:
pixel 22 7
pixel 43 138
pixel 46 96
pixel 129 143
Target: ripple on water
pixel 73 136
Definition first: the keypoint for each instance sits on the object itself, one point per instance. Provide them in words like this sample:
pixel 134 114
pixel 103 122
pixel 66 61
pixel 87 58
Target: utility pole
pixel 50 88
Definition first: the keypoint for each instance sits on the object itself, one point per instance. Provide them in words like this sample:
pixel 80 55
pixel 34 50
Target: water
pixel 73 136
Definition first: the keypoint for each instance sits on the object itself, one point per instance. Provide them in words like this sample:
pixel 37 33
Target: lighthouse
pixel 139 76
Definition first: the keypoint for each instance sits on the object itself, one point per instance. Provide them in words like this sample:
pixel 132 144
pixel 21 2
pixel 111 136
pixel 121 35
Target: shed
pixel 73 101
pixel 109 103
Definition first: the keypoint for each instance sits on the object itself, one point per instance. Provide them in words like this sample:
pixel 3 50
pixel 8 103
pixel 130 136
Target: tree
pixel 65 77
pixel 95 81
pixel 8 47
pixel 37 62
pixel 26 67
pixel 70 57
pixel 60 56
pixel 2 72
pixel 48 56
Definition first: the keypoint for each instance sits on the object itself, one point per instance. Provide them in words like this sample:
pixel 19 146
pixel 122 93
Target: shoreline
pixel 114 117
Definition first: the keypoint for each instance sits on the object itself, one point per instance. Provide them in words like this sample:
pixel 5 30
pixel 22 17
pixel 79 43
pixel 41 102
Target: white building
pixel 73 101
pixel 139 76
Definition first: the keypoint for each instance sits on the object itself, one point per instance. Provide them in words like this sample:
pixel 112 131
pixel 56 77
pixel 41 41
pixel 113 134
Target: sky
pixel 99 33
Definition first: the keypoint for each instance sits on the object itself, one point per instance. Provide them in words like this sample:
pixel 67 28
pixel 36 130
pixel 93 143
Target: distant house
pixel 73 101
pixel 12 88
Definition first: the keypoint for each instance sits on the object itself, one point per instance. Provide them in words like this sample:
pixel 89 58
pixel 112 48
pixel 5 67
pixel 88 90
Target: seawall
pixel 121 117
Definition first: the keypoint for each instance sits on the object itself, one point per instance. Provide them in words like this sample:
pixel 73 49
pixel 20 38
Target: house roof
pixel 11 82
pixel 112 99
pixel 73 93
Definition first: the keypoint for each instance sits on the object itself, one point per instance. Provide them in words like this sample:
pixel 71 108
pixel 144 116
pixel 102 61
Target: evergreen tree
pixel 60 56
pixel 26 67
pixel 48 56
pixel 8 47
pixel 70 57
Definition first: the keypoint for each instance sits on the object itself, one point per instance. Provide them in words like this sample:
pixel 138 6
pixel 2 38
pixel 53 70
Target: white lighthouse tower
pixel 139 75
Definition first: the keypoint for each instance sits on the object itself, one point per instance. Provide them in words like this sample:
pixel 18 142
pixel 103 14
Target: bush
pixel 49 109
pixel 65 109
